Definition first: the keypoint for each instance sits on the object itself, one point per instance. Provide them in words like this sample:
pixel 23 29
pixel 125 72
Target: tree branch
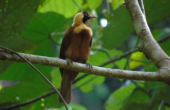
pixel 114 73
pixel 148 45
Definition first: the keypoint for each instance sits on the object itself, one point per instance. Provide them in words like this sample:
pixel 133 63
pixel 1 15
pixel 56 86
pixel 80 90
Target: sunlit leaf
pixel 93 4
pixel 68 8
pixel 137 59
pixel 116 3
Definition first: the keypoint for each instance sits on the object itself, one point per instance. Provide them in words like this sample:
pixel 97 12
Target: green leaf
pixel 166 47
pixel 65 7
pixel 14 17
pixel 114 52
pixel 156 33
pixel 116 3
pixel 121 63
pixel 42 25
pixel 139 99
pixel 86 84
pixel 159 92
pixel 155 14
pixel 93 4
pixel 139 96
pixel 119 28
pixel 117 98
pixel 98 58
pixel 137 59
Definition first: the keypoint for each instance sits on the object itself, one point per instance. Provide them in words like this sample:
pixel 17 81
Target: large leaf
pixel 155 14
pixel 68 8
pixel 42 25
pixel 93 4
pixel 117 3
pixel 137 59
pixel 115 53
pixel 14 20
pixel 119 28
pixel 117 98
pixel 138 99
pixel 14 17
pixel 98 57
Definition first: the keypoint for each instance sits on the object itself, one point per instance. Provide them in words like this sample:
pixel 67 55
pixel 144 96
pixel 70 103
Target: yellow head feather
pixel 78 19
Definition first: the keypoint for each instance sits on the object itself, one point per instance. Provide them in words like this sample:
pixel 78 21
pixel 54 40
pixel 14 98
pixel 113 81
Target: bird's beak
pixel 92 16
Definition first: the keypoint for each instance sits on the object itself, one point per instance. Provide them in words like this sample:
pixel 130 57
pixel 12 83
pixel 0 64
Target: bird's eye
pixel 86 17
pixel 85 14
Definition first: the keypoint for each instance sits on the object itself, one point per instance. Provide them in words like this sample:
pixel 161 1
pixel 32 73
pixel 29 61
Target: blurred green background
pixel 37 27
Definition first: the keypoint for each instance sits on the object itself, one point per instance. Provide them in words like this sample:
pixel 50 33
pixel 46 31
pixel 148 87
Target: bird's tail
pixel 65 88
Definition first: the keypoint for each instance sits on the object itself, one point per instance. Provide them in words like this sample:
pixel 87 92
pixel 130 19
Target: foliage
pixel 37 26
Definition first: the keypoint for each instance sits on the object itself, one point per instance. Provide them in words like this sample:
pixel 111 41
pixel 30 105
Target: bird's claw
pixel 69 61
pixel 90 66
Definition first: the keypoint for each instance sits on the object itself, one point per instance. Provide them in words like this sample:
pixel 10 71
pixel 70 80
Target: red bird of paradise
pixel 75 46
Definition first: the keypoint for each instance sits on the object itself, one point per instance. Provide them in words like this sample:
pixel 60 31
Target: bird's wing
pixel 65 43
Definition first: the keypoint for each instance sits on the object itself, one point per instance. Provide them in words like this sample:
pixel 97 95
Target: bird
pixel 75 46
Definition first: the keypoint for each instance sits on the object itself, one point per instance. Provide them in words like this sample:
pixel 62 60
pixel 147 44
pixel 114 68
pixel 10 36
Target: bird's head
pixel 82 17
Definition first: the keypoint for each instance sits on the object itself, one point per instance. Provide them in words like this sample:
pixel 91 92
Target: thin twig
pixel 38 72
pixel 163 39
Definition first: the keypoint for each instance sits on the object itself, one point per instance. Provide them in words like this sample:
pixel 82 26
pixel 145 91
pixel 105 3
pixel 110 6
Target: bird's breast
pixel 81 27
pixel 80 46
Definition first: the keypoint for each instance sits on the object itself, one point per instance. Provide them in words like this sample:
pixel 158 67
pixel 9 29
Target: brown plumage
pixel 76 46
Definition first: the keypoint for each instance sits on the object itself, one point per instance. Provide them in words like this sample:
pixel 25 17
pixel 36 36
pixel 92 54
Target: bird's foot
pixel 69 61
pixel 89 65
